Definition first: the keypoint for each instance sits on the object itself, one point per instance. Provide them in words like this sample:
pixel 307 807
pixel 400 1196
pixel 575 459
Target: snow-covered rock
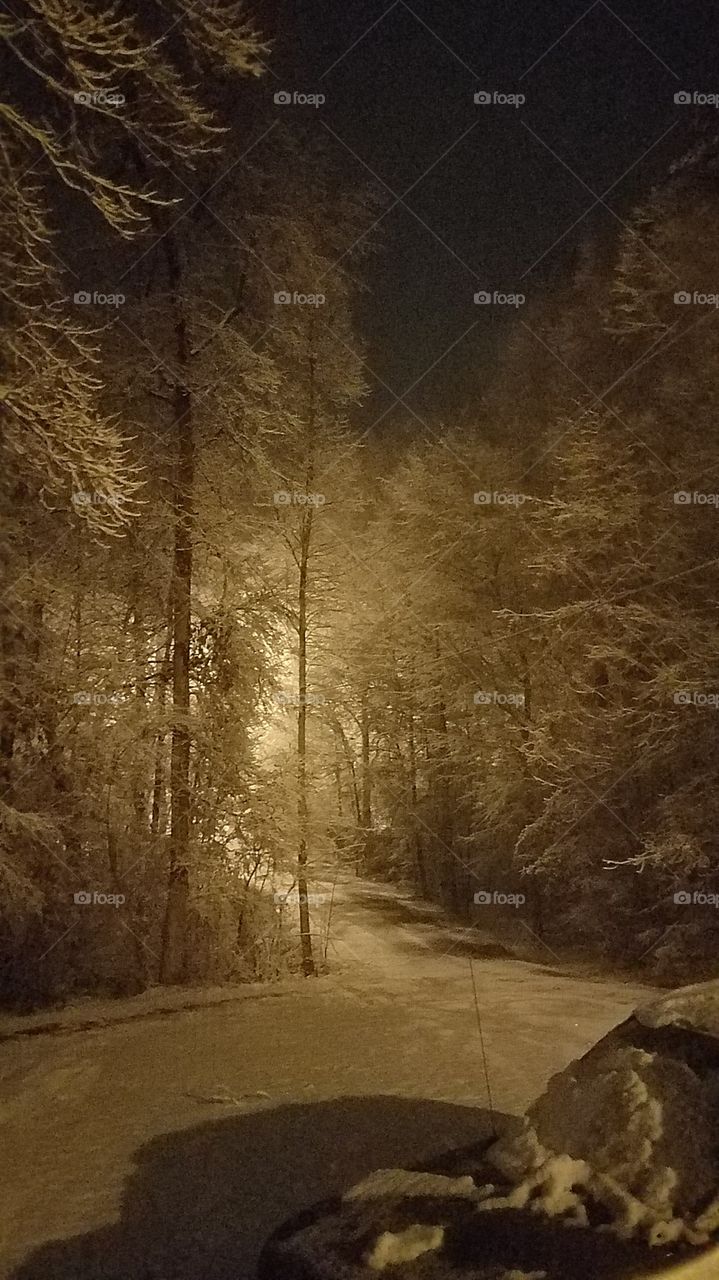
pixel 626 1137
pixel 694 1008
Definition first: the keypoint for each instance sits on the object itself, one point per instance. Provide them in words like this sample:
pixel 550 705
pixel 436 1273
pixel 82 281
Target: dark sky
pixel 486 207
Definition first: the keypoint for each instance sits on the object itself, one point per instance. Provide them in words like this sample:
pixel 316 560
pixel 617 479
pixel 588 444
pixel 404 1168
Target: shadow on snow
pixel 200 1202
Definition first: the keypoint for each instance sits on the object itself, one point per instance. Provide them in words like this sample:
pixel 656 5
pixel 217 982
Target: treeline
pixel 543 689
pixel 171 385
pixel 241 638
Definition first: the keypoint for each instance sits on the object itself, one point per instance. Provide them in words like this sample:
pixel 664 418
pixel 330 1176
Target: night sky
pixel 491 187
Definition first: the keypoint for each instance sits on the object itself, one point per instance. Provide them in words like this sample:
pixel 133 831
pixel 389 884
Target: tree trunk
pixel 337 770
pixel 9 647
pixel 453 885
pixel 366 791
pixel 18 639
pixel 131 938
pixel 158 784
pixel 421 870
pixel 308 964
pixel 347 752
pixel 139 655
pixel 172 967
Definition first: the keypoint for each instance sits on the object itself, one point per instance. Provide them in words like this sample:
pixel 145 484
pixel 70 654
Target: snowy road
pixel 167 1147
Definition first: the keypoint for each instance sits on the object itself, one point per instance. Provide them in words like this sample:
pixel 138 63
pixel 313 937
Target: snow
pixel 631 1131
pixel 694 1008
pixel 166 1143
pixel 624 1141
pixel 393 1248
pixel 91 1012
pixel 402 1182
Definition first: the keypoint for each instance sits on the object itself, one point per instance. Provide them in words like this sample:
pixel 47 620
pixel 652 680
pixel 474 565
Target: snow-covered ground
pixel 165 1145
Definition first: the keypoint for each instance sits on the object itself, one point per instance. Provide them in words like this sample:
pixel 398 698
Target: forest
pixel 248 630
